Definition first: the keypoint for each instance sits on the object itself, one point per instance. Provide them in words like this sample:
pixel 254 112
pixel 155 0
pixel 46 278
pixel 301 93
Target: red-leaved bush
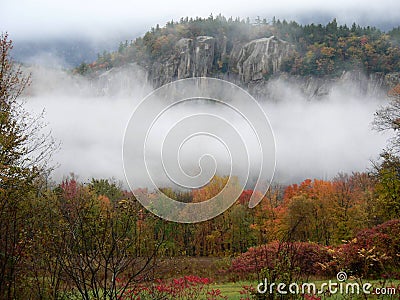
pixel 302 256
pixel 373 252
pixel 187 287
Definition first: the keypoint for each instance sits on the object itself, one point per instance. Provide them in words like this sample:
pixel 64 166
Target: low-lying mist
pixel 314 139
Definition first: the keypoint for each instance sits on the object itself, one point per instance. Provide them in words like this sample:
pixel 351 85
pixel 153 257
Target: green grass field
pixel 232 289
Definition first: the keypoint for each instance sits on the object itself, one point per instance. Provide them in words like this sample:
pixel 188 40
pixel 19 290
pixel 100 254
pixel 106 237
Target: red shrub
pixel 187 287
pixel 373 252
pixel 306 257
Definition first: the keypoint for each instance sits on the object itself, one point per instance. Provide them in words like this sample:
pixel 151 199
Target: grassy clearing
pixel 232 289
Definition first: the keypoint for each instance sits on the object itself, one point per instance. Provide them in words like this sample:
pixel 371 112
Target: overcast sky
pixel 27 19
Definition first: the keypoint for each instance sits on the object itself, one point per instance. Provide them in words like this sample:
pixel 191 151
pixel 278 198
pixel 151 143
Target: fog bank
pixel 314 139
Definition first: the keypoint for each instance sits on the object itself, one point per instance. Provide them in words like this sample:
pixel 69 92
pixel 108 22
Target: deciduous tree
pixel 24 153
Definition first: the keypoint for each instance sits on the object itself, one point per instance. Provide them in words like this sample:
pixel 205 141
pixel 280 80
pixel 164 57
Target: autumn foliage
pixel 306 258
pixel 372 253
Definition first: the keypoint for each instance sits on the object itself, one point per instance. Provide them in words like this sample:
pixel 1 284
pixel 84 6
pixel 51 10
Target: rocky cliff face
pixel 192 58
pixel 206 56
pixel 261 58
pixel 254 66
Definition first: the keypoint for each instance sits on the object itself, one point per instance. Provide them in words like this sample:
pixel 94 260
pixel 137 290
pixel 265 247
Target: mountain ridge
pixel 252 54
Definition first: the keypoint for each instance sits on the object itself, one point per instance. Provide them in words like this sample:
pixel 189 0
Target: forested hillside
pixel 318 49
